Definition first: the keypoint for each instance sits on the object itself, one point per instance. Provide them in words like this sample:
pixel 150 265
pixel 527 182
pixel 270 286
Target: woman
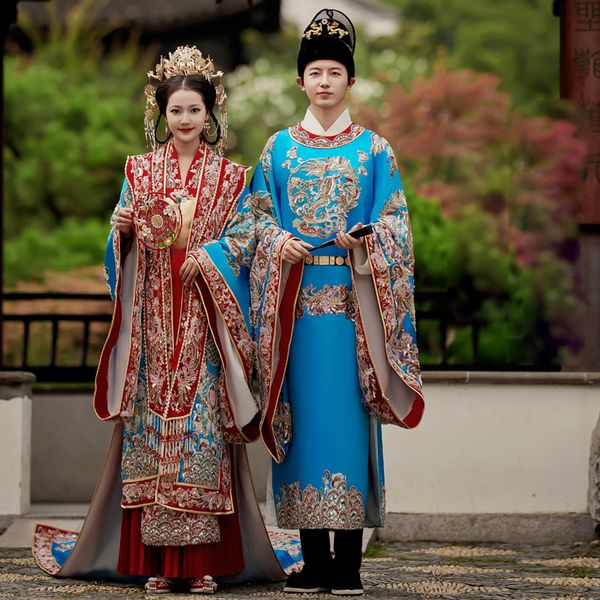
pixel 345 358
pixel 172 373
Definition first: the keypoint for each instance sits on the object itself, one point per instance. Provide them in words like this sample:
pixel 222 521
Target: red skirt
pixel 217 559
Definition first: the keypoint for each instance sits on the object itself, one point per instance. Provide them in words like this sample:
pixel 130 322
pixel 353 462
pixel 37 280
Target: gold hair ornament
pixel 186 60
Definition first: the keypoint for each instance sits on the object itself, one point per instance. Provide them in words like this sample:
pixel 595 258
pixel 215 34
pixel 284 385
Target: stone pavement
pixel 400 570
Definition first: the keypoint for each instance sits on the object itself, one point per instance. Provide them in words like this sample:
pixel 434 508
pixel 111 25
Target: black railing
pixel 438 307
pixel 64 345
pixel 50 329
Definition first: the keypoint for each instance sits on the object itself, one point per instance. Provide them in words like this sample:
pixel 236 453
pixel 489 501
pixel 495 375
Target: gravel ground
pixel 400 570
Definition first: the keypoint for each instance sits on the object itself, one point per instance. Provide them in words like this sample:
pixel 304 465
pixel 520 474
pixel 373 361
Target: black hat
pixel 330 35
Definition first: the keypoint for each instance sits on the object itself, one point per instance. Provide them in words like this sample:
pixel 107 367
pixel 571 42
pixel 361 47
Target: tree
pixel 491 192
pixel 518 40
pixel 73 113
pixel 509 184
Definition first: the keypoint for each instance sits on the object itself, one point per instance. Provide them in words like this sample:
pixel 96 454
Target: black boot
pixel 318 564
pixel 348 558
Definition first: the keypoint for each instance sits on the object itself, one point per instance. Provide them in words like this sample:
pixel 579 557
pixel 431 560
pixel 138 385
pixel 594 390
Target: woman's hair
pixel 196 83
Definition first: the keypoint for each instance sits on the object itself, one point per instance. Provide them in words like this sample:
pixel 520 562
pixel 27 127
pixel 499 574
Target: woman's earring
pixel 206 134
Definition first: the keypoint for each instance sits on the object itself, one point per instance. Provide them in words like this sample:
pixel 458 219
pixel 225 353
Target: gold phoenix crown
pixel 186 60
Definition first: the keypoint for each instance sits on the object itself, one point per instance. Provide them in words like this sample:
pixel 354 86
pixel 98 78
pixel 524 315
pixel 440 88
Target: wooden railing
pixel 24 342
pixel 36 337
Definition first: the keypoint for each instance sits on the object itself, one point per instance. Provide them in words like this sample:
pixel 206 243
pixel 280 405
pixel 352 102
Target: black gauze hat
pixel 329 36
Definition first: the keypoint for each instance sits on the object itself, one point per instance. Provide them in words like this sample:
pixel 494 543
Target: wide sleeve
pixel 274 287
pixel 116 376
pixel 223 284
pixel 387 351
pixel 114 244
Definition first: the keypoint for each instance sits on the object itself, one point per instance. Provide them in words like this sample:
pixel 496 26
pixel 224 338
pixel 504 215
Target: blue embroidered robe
pixel 336 345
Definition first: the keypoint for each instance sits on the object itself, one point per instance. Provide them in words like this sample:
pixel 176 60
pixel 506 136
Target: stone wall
pixel 15 437
pixel 497 454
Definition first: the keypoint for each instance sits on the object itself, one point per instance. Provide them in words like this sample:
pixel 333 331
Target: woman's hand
pixel 346 241
pixel 295 250
pixel 124 220
pixel 189 271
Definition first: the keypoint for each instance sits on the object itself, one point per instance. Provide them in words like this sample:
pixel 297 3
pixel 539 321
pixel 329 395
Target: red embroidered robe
pixel 171 390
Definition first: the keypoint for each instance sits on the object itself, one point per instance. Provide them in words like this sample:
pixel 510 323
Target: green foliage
pixel 507 188
pixel 376 549
pixel 583 572
pixel 464 258
pixel 491 193
pixel 436 245
pixel 73 113
pixel 518 40
pixel 69 245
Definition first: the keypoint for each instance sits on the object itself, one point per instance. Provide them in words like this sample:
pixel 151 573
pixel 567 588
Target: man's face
pixel 325 83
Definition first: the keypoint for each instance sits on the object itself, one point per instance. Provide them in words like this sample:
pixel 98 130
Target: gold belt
pixel 327 261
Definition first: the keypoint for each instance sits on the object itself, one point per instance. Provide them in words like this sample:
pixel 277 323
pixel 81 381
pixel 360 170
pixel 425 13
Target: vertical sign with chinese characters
pixel 580 81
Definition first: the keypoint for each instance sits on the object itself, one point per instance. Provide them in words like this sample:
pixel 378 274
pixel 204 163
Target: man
pixel 335 326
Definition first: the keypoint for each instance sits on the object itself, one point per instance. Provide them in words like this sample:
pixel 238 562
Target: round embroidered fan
pixel 156 220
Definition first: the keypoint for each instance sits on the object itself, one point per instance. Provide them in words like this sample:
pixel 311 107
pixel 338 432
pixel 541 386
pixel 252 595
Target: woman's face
pixel 186 115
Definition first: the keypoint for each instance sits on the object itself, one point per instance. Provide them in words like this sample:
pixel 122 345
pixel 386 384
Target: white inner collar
pixel 312 125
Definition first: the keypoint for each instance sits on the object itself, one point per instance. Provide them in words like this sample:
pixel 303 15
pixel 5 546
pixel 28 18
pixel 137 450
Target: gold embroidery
pixel 362 157
pixel 265 286
pixel 378 145
pixel 321 193
pixel 164 527
pixel 328 300
pixel 315 29
pixel 333 28
pixel 282 423
pixel 265 157
pixel 322 141
pixel 334 505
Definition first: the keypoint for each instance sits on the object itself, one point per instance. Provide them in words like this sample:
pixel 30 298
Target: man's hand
pixel 346 241
pixel 188 272
pixel 124 221
pixel 295 250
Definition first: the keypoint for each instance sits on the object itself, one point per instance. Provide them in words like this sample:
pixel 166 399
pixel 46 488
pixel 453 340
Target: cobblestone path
pixel 401 570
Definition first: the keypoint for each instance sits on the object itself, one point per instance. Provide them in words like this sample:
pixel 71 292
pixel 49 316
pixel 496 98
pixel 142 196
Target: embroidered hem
pixel 335 505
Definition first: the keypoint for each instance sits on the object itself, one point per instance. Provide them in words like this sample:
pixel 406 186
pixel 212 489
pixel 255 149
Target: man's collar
pixel 312 125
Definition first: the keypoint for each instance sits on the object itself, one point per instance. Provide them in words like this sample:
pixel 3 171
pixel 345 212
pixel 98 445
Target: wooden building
pixel 215 26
